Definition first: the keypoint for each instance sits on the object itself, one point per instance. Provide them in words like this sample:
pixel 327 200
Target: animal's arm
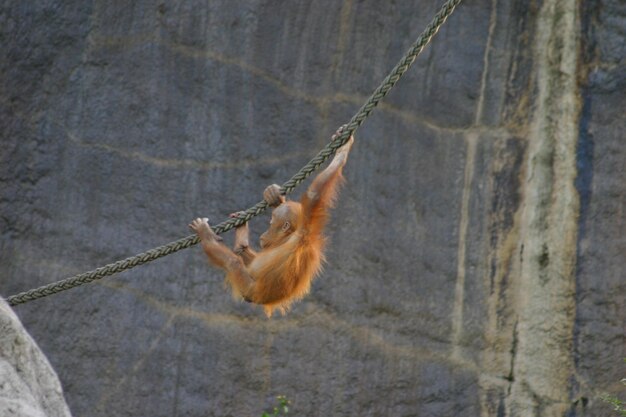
pixel 242 242
pixel 321 193
pixel 222 257
pixel 247 255
pixel 218 254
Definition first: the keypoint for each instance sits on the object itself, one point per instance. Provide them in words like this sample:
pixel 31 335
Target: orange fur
pixel 293 246
pixel 283 273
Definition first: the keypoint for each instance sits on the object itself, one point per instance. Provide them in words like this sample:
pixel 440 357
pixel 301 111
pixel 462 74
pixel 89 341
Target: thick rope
pixel 260 207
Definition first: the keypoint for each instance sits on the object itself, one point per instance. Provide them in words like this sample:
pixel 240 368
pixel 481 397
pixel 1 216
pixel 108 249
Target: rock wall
pixel 28 385
pixel 477 250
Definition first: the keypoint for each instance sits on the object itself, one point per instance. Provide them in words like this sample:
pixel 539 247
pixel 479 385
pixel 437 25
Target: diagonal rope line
pixel 356 121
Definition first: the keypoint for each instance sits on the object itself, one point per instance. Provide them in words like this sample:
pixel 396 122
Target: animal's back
pixel 280 282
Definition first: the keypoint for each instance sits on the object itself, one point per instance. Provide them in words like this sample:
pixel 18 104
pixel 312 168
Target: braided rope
pixel 260 207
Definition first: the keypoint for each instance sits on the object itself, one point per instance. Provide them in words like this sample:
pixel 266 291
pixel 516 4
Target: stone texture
pixel 28 385
pixel 477 250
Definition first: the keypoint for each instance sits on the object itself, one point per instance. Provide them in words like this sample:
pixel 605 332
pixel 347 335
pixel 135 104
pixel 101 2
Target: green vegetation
pixel 281 409
pixel 617 404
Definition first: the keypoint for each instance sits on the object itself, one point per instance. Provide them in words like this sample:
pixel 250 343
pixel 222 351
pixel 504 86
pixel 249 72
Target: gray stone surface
pixel 29 387
pixel 477 250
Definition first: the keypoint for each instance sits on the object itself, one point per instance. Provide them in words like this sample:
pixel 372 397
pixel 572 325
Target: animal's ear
pixel 286 227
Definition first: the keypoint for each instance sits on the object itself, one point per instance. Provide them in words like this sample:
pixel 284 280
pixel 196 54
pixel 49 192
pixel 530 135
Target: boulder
pixel 29 387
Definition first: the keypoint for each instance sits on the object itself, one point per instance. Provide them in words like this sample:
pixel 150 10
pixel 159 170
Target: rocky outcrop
pixel 28 385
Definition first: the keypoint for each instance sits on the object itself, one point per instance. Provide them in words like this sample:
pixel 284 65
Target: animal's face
pixel 282 224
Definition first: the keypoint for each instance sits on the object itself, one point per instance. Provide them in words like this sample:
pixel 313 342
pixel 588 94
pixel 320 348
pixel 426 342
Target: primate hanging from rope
pixel 292 249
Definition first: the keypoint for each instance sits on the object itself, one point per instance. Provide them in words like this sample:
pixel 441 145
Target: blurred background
pixel 477 249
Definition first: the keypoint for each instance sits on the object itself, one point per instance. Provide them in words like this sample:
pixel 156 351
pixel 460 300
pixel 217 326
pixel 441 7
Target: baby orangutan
pixel 292 249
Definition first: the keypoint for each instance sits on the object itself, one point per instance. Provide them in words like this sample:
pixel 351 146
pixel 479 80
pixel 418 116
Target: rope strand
pixel 356 121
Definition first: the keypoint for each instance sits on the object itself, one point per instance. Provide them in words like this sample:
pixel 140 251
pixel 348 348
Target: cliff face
pixel 477 249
